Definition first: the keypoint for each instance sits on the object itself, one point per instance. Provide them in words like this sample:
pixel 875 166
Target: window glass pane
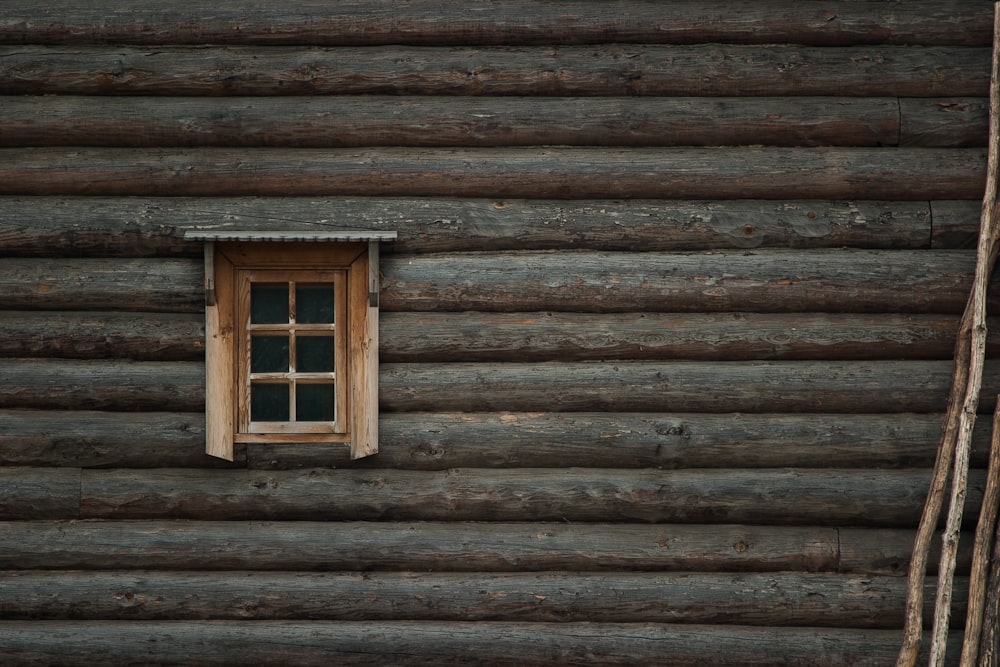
pixel 269 354
pixel 315 354
pixel 268 304
pixel 314 402
pixel 314 303
pixel 269 402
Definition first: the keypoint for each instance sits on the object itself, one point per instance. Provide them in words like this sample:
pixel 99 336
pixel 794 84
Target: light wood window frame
pixel 229 265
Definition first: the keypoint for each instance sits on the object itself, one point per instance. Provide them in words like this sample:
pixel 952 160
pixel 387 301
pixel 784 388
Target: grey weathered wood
pixel 602 70
pixel 430 546
pixel 782 599
pixel 944 122
pixel 955 223
pixel 439 441
pixel 823 281
pixel 84 439
pixel 160 284
pixel 621 386
pixel 858 281
pixel 320 643
pixel 346 121
pixel 553 336
pixel 27 493
pixel 852 387
pixel 112 384
pixel 532 336
pixel 101 226
pixel 92 335
pixel 482 22
pixel 567 173
pixel 774 497
pixel 889 551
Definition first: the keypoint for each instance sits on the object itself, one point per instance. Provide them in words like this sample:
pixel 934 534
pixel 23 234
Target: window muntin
pixel 293 374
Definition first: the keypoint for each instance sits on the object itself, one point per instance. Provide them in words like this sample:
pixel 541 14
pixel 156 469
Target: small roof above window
pixel 236 235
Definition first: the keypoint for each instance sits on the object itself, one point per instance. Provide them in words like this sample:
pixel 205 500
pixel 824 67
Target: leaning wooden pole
pixel 953 451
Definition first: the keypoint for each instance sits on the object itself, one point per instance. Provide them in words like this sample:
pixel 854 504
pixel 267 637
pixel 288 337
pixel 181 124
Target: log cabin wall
pixel 665 336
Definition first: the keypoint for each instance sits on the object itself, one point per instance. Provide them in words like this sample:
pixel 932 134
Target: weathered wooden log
pixel 480 22
pixel 955 223
pixel 451 546
pixel 912 386
pixel 408 643
pixel 890 498
pixel 830 281
pixel 567 173
pixel 888 551
pixel 160 285
pixel 103 385
pixel 86 335
pixel 429 441
pixel 782 599
pixel 86 439
pixel 602 70
pixel 858 281
pixel 534 336
pixel 38 496
pixel 719 387
pixel 553 336
pixel 136 227
pixel 944 122
pixel 348 121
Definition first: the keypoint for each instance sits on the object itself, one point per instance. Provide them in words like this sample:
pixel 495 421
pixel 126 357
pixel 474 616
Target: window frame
pixel 226 255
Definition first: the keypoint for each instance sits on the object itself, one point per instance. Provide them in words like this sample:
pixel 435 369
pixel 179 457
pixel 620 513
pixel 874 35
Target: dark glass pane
pixel 314 304
pixel 269 402
pixel 269 304
pixel 269 354
pixel 314 402
pixel 315 354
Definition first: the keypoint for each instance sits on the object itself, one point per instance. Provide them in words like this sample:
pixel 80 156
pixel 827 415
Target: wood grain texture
pixel 531 336
pixel 440 441
pixel 771 497
pixel 566 173
pixel 433 643
pixel 944 122
pixel 432 546
pixel 702 70
pixel 678 386
pixel 765 599
pixel 352 121
pixel 142 227
pixel 480 22
pixel 955 223
pixel 149 285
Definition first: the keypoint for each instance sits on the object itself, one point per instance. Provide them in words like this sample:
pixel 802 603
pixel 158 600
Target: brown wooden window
pixel 291 339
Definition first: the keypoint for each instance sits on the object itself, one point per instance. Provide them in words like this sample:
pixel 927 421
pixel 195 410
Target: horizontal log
pixel 429 441
pixel 718 387
pixel 566 173
pixel 943 122
pixel 850 387
pixel 434 547
pixel 828 281
pixel 565 71
pixel 87 439
pixel 160 285
pixel 94 335
pixel 768 599
pixel 348 121
pixel 534 336
pixel 553 336
pixel 36 495
pixel 135 227
pixel 480 22
pixel 955 224
pixel 890 498
pixel 834 281
pixel 434 643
